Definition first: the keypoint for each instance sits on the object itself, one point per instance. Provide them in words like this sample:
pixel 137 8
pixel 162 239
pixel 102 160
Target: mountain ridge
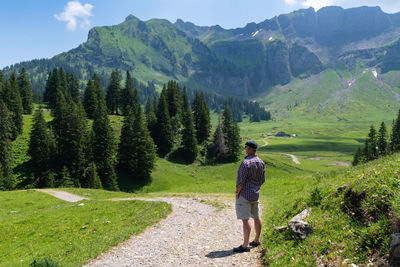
pixel 245 62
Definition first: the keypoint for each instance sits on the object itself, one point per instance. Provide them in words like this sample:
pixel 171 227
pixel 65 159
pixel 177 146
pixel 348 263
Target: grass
pixel 345 230
pixel 35 225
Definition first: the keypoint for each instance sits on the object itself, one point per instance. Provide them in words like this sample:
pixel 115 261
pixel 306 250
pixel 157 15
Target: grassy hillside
pixel 352 225
pixel 355 96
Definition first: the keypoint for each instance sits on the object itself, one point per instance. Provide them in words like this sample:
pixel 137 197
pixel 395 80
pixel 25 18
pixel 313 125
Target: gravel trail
pixel 198 232
pixel 194 234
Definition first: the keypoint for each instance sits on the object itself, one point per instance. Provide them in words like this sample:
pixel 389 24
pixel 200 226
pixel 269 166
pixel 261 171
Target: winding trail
pixel 195 234
pixel 294 158
pixel 62 195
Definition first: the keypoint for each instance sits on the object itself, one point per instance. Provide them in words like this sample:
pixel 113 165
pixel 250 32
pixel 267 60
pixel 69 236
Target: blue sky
pixel 44 28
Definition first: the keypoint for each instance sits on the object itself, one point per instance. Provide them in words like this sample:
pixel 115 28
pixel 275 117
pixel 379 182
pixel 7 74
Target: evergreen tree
pixel 39 147
pixel 163 135
pixel 73 88
pixel 113 93
pixel 46 180
pixel 53 85
pixel 103 147
pixel 90 100
pixel 150 117
pixel 93 179
pixel 382 140
pixel 366 153
pixel 174 99
pixel 12 99
pixel 145 150
pixel 127 96
pixel 64 178
pixel 395 136
pixel 218 151
pixel 201 118
pixel 25 90
pixel 126 157
pixel 372 143
pixel 189 141
pixel 357 157
pixel 6 157
pixel 231 129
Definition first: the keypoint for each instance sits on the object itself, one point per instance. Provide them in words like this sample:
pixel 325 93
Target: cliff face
pixel 243 61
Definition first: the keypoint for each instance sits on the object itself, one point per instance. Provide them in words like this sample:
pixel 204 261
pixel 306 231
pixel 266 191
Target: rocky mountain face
pixel 245 61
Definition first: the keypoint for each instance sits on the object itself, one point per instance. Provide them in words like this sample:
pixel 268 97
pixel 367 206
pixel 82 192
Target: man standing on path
pixel 250 177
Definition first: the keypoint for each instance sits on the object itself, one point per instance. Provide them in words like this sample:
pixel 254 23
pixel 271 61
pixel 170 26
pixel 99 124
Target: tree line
pixel 378 143
pixel 79 148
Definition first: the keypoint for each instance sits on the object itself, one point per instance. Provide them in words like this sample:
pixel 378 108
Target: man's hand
pixel 238 189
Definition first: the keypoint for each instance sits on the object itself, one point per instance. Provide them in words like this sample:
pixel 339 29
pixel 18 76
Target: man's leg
pixel 257 226
pixel 246 232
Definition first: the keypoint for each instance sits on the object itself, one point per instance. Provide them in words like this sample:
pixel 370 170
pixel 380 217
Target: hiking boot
pixel 241 249
pixel 254 244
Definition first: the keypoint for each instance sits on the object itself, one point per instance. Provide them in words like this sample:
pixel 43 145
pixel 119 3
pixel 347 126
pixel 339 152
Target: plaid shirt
pixel 251 175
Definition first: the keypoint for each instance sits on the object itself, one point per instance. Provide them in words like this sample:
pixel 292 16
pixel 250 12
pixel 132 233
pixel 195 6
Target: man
pixel 250 177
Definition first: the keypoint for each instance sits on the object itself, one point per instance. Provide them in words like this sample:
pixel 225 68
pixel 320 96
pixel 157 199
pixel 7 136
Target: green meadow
pixel 323 148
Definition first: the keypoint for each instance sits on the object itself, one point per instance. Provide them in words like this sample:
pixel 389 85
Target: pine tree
pixel 174 99
pixel 90 100
pixel 64 178
pixel 39 146
pixel 25 91
pixel 201 118
pixel 189 141
pixel 395 136
pixel 150 117
pixel 93 179
pixel 357 157
pixel 12 99
pixel 218 151
pixel 126 156
pixel 145 150
pixel 127 96
pixel 372 143
pixel 55 83
pixel 103 147
pixel 73 88
pixel 46 180
pixel 231 129
pixel 366 152
pixel 6 157
pixel 113 93
pixel 163 135
pixel 382 140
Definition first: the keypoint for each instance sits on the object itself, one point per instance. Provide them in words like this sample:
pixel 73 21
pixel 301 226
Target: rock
pixel 299 227
pixel 394 252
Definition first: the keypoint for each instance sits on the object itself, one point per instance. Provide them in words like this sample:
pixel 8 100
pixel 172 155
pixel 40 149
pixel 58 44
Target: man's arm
pixel 241 178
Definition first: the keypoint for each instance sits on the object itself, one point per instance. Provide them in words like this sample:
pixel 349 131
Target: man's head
pixel 251 148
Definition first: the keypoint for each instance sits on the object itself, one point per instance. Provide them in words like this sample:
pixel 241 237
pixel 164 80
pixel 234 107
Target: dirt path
pixel 294 158
pixel 62 195
pixel 265 142
pixel 195 234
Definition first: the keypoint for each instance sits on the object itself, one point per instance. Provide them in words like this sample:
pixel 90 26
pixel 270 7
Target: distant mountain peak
pixel 131 17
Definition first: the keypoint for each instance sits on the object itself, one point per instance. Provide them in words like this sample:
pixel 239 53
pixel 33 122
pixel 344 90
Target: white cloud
pixel 317 4
pixel 75 14
pixel 291 2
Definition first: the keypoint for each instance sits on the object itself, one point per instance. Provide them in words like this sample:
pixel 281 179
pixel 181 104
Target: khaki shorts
pixel 246 209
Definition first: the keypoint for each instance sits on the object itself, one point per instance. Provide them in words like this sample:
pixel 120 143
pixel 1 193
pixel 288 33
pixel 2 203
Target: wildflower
pixel 327 252
pixel 371 218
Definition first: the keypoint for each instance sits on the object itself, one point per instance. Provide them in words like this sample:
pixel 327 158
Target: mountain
pixel 259 61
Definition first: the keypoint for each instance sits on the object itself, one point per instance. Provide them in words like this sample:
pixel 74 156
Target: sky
pixel 44 28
